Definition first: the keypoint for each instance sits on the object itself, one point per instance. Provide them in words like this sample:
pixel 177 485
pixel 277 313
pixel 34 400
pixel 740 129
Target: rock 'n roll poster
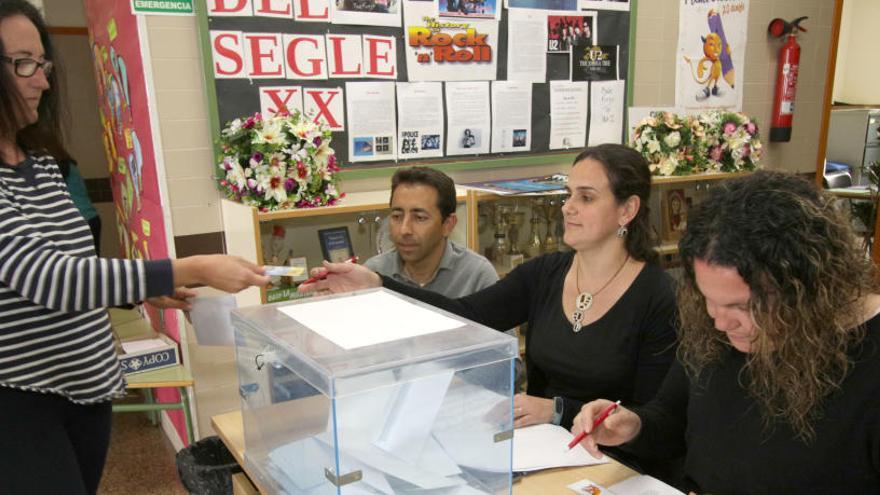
pixel 712 38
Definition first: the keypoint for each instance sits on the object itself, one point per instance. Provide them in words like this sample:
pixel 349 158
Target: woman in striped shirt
pixel 58 367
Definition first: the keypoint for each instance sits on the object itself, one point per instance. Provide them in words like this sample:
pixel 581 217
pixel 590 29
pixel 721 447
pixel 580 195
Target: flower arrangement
pixel 670 143
pixel 712 141
pixel 278 162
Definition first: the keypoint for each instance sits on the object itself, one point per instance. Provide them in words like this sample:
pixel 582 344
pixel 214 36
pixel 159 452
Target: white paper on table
pixel 469 124
pixel 372 121
pixel 526 45
pixel 419 119
pixel 368 319
pixel 643 485
pixel 606 112
pixel 511 116
pixel 545 446
pixel 568 114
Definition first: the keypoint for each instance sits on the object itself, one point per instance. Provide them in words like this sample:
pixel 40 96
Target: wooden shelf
pixel 677 179
pixel 355 202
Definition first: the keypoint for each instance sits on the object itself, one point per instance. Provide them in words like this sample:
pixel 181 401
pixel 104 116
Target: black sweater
pixel 730 452
pixel 624 355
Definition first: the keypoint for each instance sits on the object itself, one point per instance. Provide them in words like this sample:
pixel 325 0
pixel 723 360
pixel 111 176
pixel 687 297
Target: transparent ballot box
pixel 372 392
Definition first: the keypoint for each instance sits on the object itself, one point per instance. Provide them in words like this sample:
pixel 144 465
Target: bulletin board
pixel 234 97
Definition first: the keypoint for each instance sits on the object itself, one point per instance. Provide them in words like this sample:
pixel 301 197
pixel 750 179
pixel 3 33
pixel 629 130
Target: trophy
pixel 534 244
pixel 551 208
pixel 498 250
pixel 515 220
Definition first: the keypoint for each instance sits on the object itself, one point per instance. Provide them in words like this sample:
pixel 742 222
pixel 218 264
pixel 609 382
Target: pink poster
pixel 128 143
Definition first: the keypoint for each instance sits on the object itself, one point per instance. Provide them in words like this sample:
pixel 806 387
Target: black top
pixel 730 452
pixel 624 355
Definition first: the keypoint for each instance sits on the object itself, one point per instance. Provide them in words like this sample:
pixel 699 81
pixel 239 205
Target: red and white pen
pixel 353 259
pixel 596 422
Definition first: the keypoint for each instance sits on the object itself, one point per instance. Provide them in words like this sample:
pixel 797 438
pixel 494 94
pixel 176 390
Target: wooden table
pixel 552 481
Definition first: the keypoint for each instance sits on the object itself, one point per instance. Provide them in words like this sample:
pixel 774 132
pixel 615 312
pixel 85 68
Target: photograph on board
pixel 565 31
pixel 479 9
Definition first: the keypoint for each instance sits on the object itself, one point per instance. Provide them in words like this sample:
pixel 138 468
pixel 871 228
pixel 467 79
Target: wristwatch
pixel 558 405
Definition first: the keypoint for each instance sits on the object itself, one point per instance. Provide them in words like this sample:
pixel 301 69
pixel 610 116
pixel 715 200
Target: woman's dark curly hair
pixel 628 175
pixel 797 253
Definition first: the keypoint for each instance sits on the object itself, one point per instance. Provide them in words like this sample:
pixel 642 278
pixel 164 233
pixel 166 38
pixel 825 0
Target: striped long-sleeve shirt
pixel 54 331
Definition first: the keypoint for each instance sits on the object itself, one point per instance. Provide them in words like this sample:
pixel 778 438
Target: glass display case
pixel 414 400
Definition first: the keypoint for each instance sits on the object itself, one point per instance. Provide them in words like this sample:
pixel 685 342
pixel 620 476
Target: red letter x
pixel 275 95
pixel 323 111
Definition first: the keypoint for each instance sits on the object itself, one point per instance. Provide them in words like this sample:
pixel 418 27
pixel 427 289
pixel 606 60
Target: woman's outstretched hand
pixel 340 277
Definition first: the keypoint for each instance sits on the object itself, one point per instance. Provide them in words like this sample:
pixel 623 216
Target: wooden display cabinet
pixel 669 221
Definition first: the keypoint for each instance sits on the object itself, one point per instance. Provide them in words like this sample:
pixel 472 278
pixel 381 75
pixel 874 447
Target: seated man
pixel 422 217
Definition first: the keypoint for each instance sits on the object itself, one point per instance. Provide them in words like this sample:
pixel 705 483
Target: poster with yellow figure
pixel 712 38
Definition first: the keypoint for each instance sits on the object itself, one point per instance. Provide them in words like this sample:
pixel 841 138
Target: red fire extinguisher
pixel 786 77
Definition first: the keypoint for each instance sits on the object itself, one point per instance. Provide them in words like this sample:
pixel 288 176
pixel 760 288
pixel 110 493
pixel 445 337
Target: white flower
pixel 668 165
pixel 322 153
pixel 673 139
pixel 236 175
pixel 233 128
pixel 271 185
pixel 271 133
pixel 277 164
pixel 653 146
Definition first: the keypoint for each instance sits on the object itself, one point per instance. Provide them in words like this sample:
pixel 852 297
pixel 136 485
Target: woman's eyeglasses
pixel 27 67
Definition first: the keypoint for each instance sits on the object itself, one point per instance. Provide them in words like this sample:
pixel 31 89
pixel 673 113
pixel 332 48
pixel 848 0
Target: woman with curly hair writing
pixel 777 384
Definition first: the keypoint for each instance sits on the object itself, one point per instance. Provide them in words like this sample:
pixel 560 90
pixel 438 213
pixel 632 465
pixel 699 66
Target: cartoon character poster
pixel 128 144
pixel 711 53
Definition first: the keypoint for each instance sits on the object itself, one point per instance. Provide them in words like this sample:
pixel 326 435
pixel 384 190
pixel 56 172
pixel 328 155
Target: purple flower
pixel 751 128
pixel 317 141
pixel 729 128
pixel 290 184
pixel 257 157
pixel 252 184
pixel 747 150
